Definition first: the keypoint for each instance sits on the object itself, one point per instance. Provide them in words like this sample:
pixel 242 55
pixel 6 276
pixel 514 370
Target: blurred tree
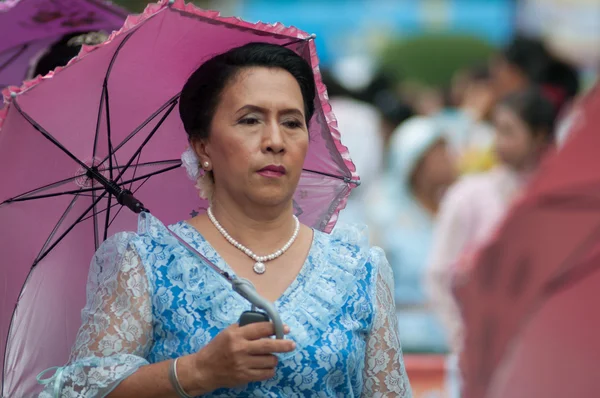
pixel 432 59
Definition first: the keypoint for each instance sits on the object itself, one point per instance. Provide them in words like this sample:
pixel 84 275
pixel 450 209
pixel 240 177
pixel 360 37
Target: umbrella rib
pixel 144 177
pixel 95 221
pixel 574 274
pixel 98 120
pixel 234 26
pixel 297 41
pixel 15 56
pixel 110 146
pixel 48 136
pixel 345 179
pixel 106 8
pixel 20 198
pixel 45 187
pixel 176 164
pixel 150 135
pixel 570 278
pixel 135 170
pixel 111 152
pixel 58 224
pixel 104 98
pixel 144 124
pixel 52 195
pixel 64 234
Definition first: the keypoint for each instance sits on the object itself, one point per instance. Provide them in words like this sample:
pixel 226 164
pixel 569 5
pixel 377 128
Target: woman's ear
pixel 201 149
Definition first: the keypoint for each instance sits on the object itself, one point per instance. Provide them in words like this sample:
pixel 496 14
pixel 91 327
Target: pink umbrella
pixel 529 297
pixel 28 27
pixel 106 121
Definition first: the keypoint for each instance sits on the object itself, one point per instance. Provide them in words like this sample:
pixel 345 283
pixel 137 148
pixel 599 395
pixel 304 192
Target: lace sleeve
pixel 116 332
pixel 384 373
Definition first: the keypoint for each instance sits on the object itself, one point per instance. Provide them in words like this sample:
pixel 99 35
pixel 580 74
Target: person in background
pixel 360 126
pixel 61 52
pixel 382 94
pixel 525 62
pixel 466 119
pixel 402 208
pixel 473 207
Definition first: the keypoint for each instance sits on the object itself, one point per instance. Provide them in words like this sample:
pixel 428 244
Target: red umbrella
pixel 527 294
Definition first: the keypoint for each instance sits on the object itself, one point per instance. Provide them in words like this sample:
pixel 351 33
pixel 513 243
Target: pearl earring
pixel 206 164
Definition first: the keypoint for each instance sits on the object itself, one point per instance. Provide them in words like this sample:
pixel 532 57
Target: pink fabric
pixel 469 214
pixel 528 298
pixel 159 50
pixel 557 352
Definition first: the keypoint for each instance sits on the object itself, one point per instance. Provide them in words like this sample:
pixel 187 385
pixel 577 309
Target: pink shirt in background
pixel 469 214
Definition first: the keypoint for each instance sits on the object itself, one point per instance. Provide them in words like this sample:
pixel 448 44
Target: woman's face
pixel 506 78
pixel 258 138
pixel 515 144
pixel 437 167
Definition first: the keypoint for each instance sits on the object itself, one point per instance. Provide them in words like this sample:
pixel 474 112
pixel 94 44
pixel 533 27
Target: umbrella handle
pixel 246 289
pixel 242 286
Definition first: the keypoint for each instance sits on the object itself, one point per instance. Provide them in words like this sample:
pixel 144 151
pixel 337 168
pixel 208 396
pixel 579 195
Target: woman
pixel 402 211
pixel 525 62
pixel 475 205
pixel 160 324
pixel 470 134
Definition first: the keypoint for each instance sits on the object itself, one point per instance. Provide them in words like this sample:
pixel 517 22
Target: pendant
pixel 259 268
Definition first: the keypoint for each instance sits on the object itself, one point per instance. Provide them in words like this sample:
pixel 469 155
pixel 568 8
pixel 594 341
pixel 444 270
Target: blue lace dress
pixel 149 300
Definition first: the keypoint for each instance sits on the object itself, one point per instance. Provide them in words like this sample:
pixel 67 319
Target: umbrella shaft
pixel 124 196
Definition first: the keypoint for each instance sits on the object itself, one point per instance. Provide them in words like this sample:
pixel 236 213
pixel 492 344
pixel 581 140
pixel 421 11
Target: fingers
pixel 262 361
pixel 260 330
pixel 268 346
pixel 261 374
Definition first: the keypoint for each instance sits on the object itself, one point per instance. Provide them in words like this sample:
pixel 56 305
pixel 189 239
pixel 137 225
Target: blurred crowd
pixel 439 169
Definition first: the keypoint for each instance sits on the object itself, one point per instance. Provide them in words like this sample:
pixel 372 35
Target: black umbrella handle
pixel 125 198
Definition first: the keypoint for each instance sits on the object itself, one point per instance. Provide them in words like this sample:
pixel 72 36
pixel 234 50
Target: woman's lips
pixel 272 171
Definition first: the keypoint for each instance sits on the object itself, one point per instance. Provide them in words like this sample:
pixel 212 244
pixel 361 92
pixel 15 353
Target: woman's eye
pixel 293 124
pixel 250 121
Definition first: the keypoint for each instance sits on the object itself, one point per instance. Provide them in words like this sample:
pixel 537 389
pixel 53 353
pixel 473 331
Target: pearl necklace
pixel 259 265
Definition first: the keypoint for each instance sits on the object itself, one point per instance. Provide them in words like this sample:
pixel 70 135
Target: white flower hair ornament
pixel 202 178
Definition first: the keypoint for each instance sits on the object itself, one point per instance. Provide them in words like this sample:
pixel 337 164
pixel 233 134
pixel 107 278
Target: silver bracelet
pixel 175 380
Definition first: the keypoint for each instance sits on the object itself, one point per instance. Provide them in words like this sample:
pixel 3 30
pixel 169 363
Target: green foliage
pixel 432 59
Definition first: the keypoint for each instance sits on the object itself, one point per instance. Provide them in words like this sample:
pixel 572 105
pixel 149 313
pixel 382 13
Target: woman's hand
pixel 240 355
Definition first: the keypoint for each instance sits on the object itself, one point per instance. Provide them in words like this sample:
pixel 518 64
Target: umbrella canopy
pixel 28 27
pixel 527 297
pixel 108 120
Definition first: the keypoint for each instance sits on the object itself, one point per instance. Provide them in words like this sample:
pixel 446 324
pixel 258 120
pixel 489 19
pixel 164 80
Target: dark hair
pixel 535 109
pixel 479 73
pixel 334 87
pixel 60 53
pixel 559 80
pixel 560 83
pixel 202 92
pixel 529 56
